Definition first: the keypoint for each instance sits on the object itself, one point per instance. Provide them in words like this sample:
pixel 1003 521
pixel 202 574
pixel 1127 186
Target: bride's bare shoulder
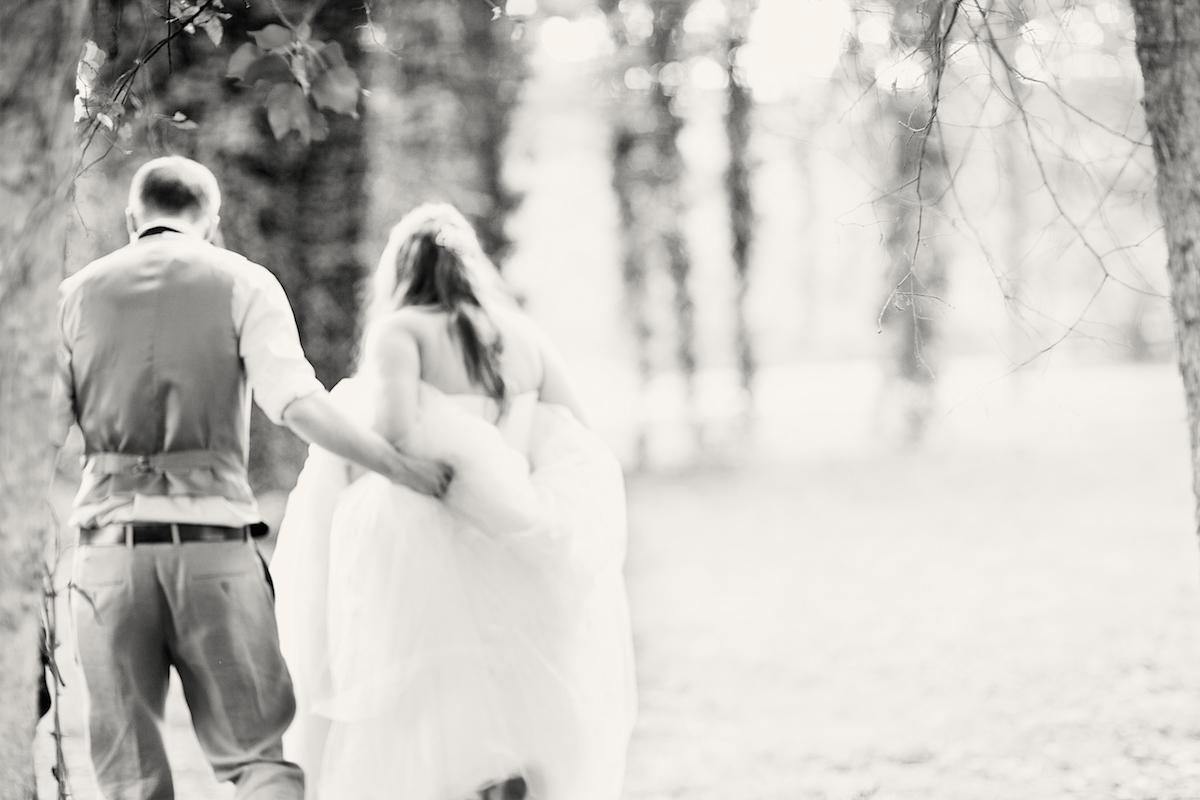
pixel 409 321
pixel 396 336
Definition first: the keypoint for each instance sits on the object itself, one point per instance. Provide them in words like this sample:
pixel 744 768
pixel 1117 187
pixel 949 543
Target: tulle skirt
pixel 439 647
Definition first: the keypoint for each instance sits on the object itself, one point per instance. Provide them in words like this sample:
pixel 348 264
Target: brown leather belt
pixel 160 533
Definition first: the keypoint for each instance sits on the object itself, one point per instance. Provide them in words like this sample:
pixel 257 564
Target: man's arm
pixel 316 420
pixel 286 389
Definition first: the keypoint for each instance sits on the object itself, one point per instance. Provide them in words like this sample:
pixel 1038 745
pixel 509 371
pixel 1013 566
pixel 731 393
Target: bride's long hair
pixel 433 258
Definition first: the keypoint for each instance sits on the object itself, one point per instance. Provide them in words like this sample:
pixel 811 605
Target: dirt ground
pixel 1011 612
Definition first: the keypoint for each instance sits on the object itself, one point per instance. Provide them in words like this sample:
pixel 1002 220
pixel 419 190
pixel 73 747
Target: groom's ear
pixel 214 231
pixel 130 223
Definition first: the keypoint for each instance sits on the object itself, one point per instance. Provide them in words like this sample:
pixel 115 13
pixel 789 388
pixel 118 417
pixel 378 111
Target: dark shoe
pixel 514 788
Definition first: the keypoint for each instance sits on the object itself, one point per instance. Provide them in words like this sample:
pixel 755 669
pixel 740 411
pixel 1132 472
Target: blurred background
pixel 869 298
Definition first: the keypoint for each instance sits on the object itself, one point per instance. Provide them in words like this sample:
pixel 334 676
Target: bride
pixel 476 646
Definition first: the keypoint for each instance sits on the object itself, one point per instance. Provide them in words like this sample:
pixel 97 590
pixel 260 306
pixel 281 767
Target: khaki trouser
pixel 207 610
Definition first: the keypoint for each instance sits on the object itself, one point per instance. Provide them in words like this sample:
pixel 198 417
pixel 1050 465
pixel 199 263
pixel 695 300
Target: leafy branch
pixel 299 76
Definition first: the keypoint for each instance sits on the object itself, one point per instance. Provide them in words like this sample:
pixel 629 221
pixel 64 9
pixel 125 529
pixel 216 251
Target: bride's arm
pixel 393 361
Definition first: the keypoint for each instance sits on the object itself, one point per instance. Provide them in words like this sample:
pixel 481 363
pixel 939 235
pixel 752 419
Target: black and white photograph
pixel 599 399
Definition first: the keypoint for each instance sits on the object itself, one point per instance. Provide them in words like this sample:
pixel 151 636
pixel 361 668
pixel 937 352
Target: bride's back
pixel 433 318
pixel 443 361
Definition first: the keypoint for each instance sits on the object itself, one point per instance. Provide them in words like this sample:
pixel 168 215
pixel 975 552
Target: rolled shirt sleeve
pixel 276 369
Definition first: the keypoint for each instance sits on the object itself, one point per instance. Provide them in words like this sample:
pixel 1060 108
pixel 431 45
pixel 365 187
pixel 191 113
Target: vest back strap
pixel 177 461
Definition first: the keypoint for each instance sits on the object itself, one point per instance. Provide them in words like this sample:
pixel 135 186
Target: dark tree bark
pixel 1167 35
pixel 633 269
pixel 668 176
pixel 490 87
pixel 634 159
pixel 299 210
pixel 738 184
pixel 647 173
pixel 445 106
pixel 42 41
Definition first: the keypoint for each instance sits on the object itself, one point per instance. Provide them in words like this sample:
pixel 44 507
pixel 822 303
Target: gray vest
pixel 160 393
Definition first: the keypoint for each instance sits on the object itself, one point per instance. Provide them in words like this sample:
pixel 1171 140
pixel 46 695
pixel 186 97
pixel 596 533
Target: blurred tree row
pixel 648 74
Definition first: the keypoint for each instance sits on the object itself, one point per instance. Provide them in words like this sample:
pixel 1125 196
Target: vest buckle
pixel 142 466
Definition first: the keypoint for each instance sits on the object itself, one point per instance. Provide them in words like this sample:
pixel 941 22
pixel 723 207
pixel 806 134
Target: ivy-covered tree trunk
pixel 443 107
pixel 298 209
pixel 1167 32
pixel 648 171
pixel 625 145
pixel 738 178
pixel 489 89
pixel 634 156
pixel 42 40
pixel 667 177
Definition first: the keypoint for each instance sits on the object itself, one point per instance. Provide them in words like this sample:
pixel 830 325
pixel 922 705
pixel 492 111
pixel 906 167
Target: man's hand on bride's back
pixel 422 475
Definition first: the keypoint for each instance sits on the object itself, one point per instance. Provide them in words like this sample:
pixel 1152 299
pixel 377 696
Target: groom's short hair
pixel 176 186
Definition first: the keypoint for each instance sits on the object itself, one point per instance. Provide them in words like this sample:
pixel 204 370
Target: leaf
pixel 337 89
pixel 208 18
pixel 241 60
pixel 87 71
pixel 318 125
pixel 287 110
pixel 92 55
pixel 272 37
pixel 271 67
pixel 214 26
pixel 303 32
pixel 331 56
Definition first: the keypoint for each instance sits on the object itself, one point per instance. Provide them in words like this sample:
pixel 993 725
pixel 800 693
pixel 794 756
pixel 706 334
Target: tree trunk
pixel 1167 32
pixel 667 184
pixel 445 102
pixel 41 46
pixel 490 88
pixel 634 160
pixel 633 272
pixel 299 210
pixel 739 106
pixel 916 275
pixel 916 272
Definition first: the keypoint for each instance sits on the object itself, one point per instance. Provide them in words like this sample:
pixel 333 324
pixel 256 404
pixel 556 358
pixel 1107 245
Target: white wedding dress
pixel 440 646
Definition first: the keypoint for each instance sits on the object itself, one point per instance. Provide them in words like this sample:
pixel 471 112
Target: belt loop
pixel 128 531
pixel 175 534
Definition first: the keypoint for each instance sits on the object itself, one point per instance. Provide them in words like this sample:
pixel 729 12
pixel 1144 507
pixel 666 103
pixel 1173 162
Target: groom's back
pixel 159 390
pixel 154 349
